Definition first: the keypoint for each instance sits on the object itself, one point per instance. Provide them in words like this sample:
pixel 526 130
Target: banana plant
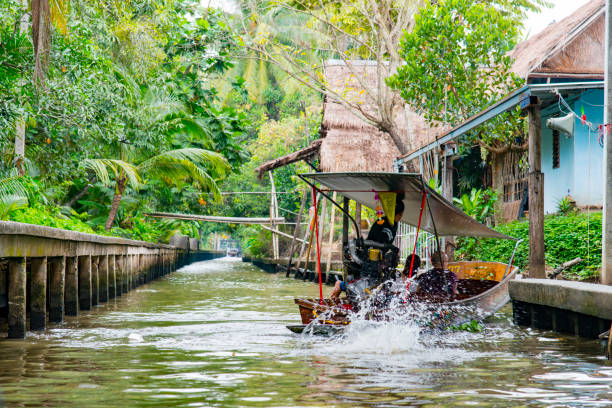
pixel 13 193
pixel 479 204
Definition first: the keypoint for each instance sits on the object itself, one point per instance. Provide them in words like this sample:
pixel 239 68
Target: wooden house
pixel 561 64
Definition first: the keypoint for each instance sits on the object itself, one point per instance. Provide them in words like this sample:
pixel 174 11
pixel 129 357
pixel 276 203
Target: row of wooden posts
pixel 64 285
pixel 307 242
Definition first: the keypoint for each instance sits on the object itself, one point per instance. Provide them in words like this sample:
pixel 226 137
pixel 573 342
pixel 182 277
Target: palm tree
pixel 13 193
pixel 173 167
pixel 44 13
pixel 263 20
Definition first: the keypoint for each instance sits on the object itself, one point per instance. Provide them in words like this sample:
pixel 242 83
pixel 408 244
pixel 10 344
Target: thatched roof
pixel 572 47
pixel 351 143
pixel 303 154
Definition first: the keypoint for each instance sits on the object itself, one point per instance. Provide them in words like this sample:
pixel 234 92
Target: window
pixel 556 149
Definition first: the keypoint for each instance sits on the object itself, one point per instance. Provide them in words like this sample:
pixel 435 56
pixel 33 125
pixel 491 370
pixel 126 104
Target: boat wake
pixel 400 336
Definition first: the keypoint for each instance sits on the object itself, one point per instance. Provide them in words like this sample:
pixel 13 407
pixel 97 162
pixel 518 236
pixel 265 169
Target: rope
pixel 316 223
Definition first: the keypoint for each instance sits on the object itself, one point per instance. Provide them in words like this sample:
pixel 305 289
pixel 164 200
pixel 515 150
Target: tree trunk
pixel 80 194
pixel 115 205
pixel 20 122
pixel 396 136
pixel 41 38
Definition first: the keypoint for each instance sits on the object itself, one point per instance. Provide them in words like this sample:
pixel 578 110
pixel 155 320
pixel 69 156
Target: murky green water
pixel 213 335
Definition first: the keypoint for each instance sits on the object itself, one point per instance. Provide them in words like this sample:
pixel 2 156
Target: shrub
pixel 565 238
pixel 49 217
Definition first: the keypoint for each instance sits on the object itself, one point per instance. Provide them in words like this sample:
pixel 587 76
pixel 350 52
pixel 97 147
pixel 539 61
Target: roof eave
pixel 519 97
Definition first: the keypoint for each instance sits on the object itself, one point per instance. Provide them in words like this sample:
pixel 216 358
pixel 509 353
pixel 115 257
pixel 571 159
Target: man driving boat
pixel 384 234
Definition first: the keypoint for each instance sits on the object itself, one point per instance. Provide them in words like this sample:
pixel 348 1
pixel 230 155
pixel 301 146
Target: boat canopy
pixel 448 219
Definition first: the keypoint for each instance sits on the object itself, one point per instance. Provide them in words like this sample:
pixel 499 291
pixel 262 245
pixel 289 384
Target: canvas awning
pixel 448 219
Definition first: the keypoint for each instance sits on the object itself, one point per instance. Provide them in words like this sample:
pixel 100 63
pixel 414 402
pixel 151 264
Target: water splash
pixel 385 331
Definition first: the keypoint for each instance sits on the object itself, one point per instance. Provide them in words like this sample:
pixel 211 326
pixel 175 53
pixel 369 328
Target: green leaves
pixel 565 238
pixel 479 204
pixel 120 169
pixel 456 63
pixel 190 163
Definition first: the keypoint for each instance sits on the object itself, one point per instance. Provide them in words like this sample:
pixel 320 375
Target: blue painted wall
pixel 557 181
pixel 580 172
pixel 588 155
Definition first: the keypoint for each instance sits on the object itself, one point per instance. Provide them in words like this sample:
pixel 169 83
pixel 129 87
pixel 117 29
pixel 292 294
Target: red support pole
pixel 417 238
pixel 316 222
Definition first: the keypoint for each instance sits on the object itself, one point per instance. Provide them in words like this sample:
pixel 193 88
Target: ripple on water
pixel 213 334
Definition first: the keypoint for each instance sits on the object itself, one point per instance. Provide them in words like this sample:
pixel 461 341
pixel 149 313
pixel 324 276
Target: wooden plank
pixel 282 234
pixel 536 195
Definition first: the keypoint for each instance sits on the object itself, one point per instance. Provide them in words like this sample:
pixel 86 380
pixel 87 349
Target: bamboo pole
pixel 280 233
pixel 273 214
pixel 210 218
pixel 358 218
pixel 308 234
pixel 312 234
pixel 304 241
pixel 296 230
pixel 331 236
pixel 345 231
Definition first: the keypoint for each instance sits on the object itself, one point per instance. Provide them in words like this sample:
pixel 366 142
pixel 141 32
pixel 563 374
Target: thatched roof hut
pixel 352 144
pixel 572 48
pixel 349 142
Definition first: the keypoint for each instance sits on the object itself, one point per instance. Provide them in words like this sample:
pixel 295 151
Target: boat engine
pixel 371 260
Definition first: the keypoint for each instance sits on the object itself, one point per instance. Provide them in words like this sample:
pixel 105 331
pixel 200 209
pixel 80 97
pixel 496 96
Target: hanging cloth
pixel 387 200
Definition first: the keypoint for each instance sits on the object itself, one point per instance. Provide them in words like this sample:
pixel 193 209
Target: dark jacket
pixel 383 233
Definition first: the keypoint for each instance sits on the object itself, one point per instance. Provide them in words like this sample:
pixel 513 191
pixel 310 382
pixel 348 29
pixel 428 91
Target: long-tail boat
pixel 482 287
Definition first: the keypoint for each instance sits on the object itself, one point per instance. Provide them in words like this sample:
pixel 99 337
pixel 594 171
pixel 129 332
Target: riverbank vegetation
pixel 567 236
pixel 125 108
pixel 117 113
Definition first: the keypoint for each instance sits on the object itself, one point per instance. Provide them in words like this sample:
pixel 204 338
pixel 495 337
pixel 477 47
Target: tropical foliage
pixel 478 204
pixel 566 237
pixel 456 64
pixel 129 83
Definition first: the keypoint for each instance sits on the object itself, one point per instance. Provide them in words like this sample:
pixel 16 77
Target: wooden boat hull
pixel 466 307
pixel 318 329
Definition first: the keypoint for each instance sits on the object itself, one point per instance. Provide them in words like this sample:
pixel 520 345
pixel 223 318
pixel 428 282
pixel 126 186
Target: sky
pixel 534 24
pixel 560 9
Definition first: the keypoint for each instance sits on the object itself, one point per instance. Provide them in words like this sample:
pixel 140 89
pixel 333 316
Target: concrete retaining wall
pixel 204 255
pixel 583 309
pixel 309 274
pixel 81 270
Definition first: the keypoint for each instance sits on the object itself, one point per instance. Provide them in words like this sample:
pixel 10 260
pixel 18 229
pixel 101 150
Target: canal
pixel 213 335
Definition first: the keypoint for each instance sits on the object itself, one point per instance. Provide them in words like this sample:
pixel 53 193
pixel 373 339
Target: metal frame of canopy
pixel 442 217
